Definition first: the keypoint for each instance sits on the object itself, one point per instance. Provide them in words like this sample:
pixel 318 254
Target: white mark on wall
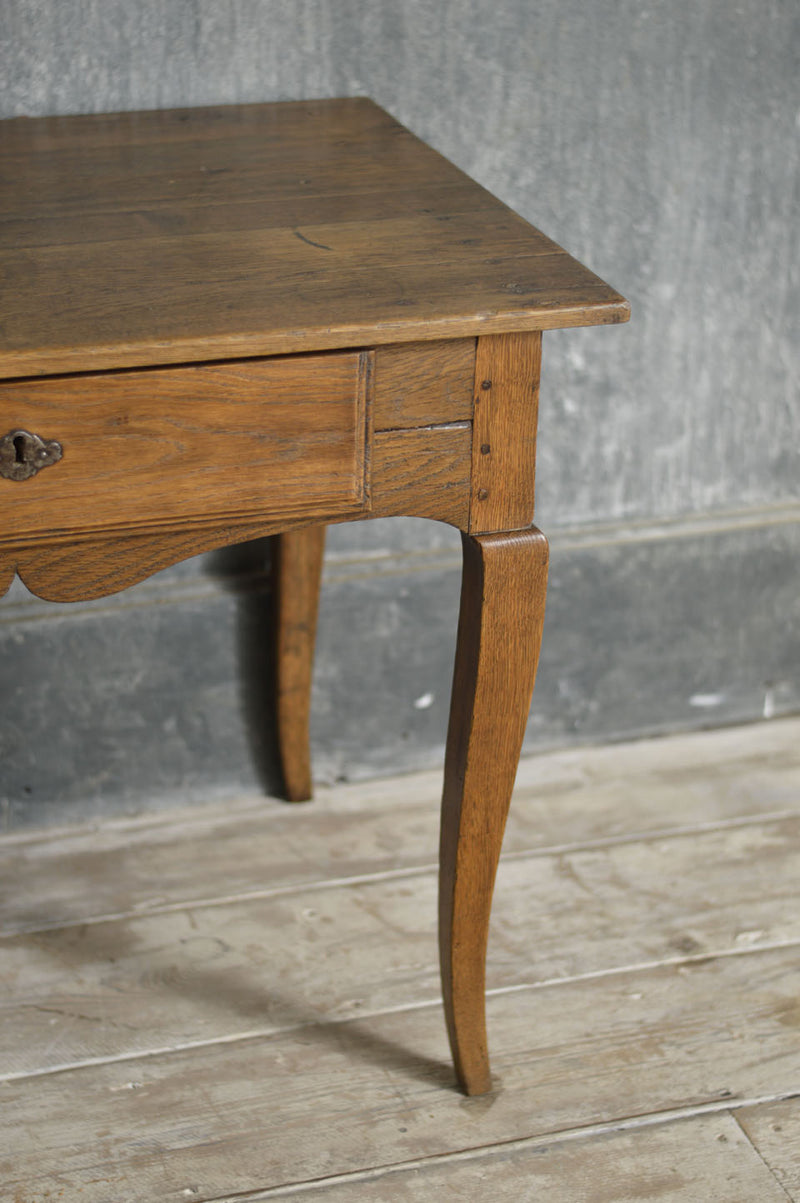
pixel 425 702
pixel 666 291
pixel 706 700
pixel 769 703
pixel 575 357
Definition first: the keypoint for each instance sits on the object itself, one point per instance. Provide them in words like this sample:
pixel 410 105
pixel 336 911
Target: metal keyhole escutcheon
pixel 22 454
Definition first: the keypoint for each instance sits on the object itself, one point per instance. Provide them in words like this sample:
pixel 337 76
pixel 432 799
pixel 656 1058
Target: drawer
pixel 162 448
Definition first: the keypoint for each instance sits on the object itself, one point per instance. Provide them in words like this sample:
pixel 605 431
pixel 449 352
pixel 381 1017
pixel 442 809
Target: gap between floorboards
pixel 755 1149
pixel 278 1031
pixel 613 841
pixel 546 1140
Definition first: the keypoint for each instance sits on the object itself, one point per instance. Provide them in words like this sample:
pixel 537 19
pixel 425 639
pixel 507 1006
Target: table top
pixel 135 239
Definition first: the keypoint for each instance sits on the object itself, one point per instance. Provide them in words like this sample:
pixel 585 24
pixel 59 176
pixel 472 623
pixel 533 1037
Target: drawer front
pixel 161 448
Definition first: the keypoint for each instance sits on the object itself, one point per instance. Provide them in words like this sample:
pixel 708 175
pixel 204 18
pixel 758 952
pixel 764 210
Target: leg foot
pixel 499 635
pixel 297 567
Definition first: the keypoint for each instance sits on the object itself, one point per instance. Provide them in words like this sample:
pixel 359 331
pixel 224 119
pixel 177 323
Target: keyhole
pixel 23 454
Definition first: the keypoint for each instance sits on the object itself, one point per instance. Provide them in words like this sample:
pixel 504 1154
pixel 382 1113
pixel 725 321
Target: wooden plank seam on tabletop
pixel 155 277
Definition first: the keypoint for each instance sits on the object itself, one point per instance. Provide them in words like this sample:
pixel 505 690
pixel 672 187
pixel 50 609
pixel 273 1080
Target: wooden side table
pixel 224 323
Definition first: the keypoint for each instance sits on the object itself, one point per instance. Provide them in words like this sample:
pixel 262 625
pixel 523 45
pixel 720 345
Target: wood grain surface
pixel 152 238
pixel 638 1066
pixel 365 942
pixel 643 794
pixel 79 569
pixel 506 399
pixel 221 1120
pixel 774 1129
pixel 708 1160
pixel 422 472
pixel 151 450
pixel 423 384
pixel 499 636
pixel 296 571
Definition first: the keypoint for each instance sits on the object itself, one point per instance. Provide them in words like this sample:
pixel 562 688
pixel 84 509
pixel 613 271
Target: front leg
pixel 499 636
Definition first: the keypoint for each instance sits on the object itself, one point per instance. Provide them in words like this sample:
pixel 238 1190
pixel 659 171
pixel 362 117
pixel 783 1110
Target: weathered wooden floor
pixel 241 1003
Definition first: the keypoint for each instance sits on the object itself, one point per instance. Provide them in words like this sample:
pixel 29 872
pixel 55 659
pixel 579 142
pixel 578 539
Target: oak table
pixel 230 322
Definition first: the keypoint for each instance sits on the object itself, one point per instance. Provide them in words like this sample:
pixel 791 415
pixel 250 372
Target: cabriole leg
pixel 499 635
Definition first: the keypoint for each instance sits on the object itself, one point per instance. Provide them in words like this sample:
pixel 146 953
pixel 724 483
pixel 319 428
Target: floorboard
pixel 165 980
pixel 703 1159
pixel 178 1023
pixel 774 1129
pixel 333 1098
pixel 256 845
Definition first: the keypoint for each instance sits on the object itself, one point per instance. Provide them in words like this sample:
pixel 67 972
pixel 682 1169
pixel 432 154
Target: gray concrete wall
pixel 659 143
